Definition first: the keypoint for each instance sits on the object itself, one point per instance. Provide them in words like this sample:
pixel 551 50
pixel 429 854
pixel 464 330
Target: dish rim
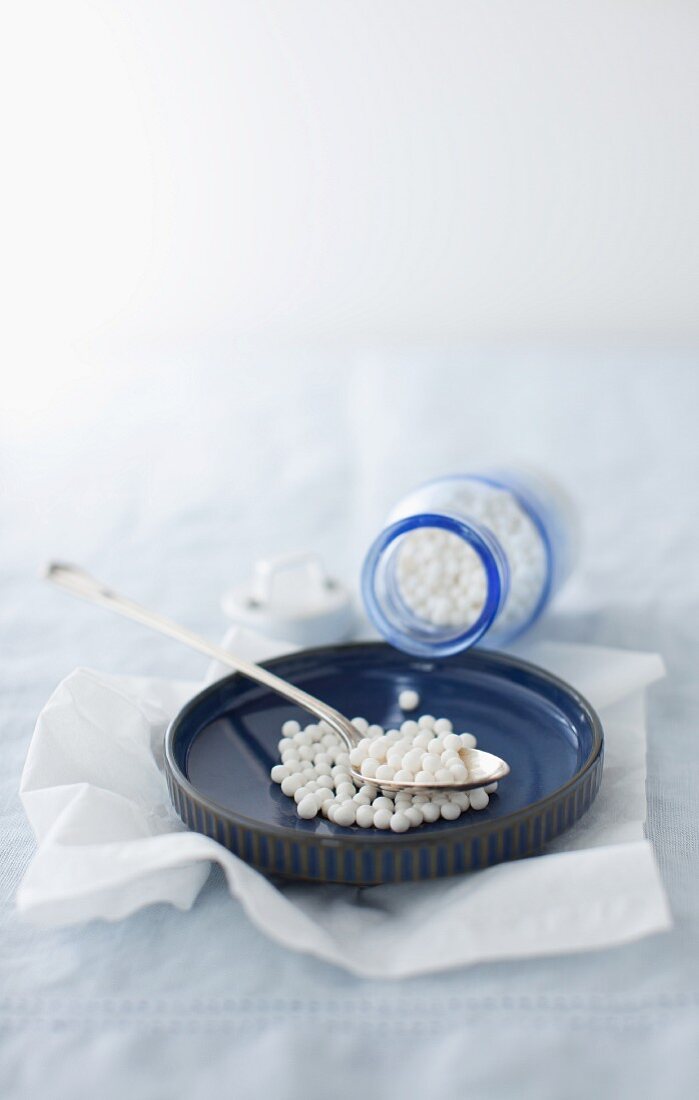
pixel 376 836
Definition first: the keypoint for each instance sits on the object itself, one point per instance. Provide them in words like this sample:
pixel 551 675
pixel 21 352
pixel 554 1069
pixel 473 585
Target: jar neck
pixel 390 612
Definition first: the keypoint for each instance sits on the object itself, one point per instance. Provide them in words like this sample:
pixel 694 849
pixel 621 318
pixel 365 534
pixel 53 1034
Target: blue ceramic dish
pixel 220 748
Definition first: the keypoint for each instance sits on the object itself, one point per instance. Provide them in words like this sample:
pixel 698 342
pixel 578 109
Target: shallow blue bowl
pixel 220 748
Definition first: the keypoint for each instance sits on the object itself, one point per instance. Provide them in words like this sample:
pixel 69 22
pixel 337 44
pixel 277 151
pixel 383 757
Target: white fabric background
pixel 198 462
pixel 314 169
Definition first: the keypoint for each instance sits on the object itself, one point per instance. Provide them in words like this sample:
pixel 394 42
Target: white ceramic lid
pixel 291 597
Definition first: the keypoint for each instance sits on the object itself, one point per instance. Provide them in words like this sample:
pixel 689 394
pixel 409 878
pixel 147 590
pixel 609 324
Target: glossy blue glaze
pixel 221 747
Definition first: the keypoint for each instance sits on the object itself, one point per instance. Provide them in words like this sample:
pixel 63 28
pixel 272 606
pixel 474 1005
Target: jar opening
pixel 408 580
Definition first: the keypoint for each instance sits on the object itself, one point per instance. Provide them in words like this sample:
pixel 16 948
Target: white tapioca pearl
pixel 403 776
pixel 290 754
pixel 369 790
pixel 433 574
pixel 383 803
pixel 301 738
pixel 391 736
pixel 402 746
pixel 346 814
pixel 306 752
pixel 452 743
pixel 342 760
pixel 290 727
pixel 308 807
pixel 443 725
pixel 479 799
pixel 468 741
pixel 382 819
pixel 365 745
pixel 322 759
pixel 491 788
pixel 293 761
pixel 323 769
pixel 284 744
pixel 409 728
pixel 332 809
pixel 356 756
pixel 450 811
pixel 365 816
pixel 443 776
pixel 459 773
pixel 301 793
pixel 430 812
pixel 450 565
pixel 360 724
pixel 378 749
pixel 408 699
pixel 326 781
pixel 399 822
pixel 314 732
pixel 441 611
pixel 279 772
pixel 291 784
pixel 414 816
pixel 424 777
pixel 307 767
pixel 339 773
pixel 329 740
pixel 385 773
pixel 448 758
pixel 440 797
pixel 426 721
pixel 413 760
pixel 374 731
pixel 431 763
pixel 346 790
pixel 395 759
pixel 461 799
pixel 368 767
pixel 423 739
pixel 361 799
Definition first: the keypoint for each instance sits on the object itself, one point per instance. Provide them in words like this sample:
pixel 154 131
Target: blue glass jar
pixel 468 555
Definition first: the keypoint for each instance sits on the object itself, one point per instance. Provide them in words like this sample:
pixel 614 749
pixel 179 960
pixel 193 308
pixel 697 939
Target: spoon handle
pixel 81 584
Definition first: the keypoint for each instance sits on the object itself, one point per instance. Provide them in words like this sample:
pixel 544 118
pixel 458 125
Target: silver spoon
pixel 483 768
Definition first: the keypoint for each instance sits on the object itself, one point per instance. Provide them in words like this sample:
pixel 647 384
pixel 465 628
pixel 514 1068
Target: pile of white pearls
pixel 315 772
pixel 442 579
pixel 426 751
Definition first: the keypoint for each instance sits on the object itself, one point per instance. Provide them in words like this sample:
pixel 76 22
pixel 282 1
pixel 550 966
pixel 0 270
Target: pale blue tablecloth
pixel 169 488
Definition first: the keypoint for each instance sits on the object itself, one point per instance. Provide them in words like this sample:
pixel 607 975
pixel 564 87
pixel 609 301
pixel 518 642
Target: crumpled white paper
pixel 110 842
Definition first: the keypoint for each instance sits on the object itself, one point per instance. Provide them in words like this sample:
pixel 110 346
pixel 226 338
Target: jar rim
pixel 430 642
